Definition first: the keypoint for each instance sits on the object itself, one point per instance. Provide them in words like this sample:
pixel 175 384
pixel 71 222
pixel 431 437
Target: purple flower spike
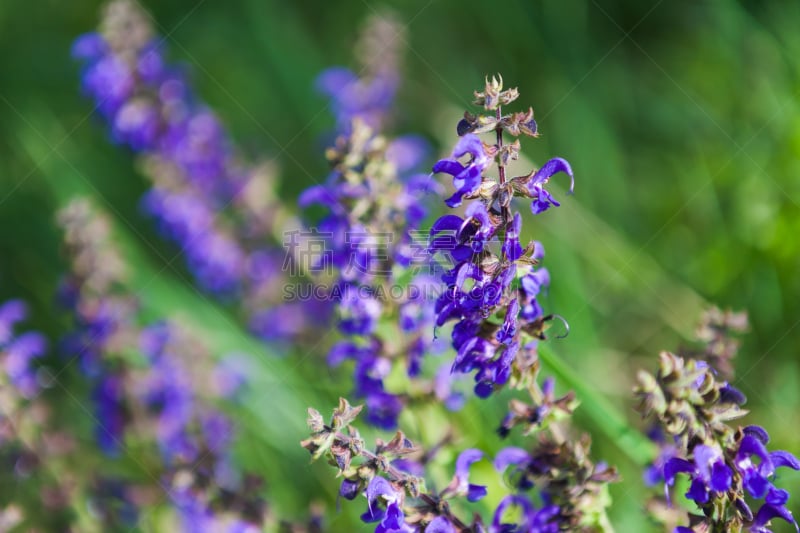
pixel 730 468
pixel 368 223
pixel 492 293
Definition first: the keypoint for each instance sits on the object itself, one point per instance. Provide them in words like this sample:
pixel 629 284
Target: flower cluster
pixel 176 389
pixel 730 469
pixel 32 446
pixel 718 345
pixel 202 508
pixel 155 387
pixel 103 313
pixel 221 212
pixel 395 488
pixel 558 465
pixel 167 400
pixel 18 352
pixel 492 294
pixel 373 203
pixel 368 202
pixel 575 488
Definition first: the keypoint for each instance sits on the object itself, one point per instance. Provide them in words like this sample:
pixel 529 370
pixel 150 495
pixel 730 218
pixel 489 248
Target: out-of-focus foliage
pixel 681 122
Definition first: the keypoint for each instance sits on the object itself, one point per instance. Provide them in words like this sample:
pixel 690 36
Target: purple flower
pixel 508 330
pixel 756 476
pixel 89 46
pixel 481 285
pixel 708 473
pixel 19 354
pixel 531 521
pixel 463 463
pixel 371 203
pixel 394 521
pixel 137 124
pixel 359 313
pixel 383 408
pixel 519 459
pixel 654 473
pixel 349 489
pixel 544 199
pixel 531 286
pixel 200 187
pixel 110 82
pixel 466 178
pixel 769 511
pixel 379 489
pixel 108 398
pixel 440 524
pixel 11 312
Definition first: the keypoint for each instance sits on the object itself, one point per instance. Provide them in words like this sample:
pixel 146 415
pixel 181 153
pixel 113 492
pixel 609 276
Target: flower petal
pixel 446 223
pixel 757 432
pixel 721 477
pixel 440 524
pixel 469 144
pixel 510 456
pixel 698 492
pixel 554 166
pixel 448 166
pixel 476 492
pixel 783 458
pixel 464 461
pixel 768 512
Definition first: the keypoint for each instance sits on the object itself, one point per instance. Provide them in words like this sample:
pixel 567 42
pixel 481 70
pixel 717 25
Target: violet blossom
pixel 485 288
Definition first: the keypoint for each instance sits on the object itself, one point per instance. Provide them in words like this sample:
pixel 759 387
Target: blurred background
pixel 680 119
